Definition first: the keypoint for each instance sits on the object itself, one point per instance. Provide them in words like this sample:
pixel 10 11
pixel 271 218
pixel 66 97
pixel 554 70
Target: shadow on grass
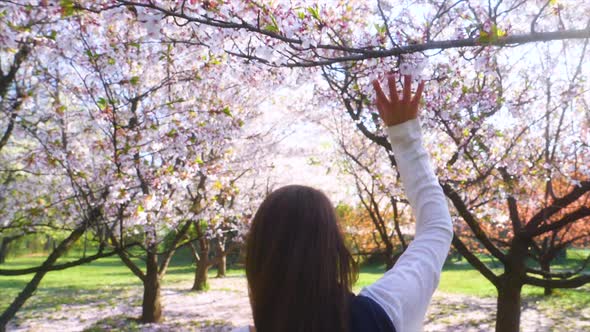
pixel 54 297
pixel 124 323
pixel 115 323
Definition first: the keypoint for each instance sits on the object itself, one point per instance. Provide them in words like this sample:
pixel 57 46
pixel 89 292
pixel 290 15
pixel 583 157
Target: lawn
pixel 100 279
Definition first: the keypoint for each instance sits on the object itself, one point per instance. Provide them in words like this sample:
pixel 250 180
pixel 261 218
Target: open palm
pixel 393 110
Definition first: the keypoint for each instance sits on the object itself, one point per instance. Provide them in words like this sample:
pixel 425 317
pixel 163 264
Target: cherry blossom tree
pixel 28 202
pixel 132 127
pixel 219 232
pixel 377 189
pixel 239 188
pixel 168 121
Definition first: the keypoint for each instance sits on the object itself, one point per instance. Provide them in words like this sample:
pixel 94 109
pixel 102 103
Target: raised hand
pixel 394 111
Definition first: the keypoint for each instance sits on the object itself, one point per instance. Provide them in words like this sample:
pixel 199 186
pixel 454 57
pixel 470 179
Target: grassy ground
pixel 100 279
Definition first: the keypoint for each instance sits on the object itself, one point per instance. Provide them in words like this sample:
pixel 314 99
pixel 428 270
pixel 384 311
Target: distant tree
pixel 378 191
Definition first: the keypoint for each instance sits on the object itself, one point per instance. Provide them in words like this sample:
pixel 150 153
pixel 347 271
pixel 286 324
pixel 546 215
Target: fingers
pixel 379 109
pixel 392 88
pixel 380 95
pixel 418 94
pixel 407 88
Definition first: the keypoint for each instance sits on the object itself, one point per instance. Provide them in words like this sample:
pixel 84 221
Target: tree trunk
pixel 151 306
pixel 5 245
pixel 546 267
pixel 510 286
pixel 222 265
pixel 3 250
pixel 30 288
pixel 48 243
pixel 508 310
pixel 389 257
pixel 201 278
pixel 222 258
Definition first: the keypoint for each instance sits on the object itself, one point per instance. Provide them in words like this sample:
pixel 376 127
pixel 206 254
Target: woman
pixel 300 273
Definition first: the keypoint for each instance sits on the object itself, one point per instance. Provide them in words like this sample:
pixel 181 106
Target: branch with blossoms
pixel 371 193
pixel 311 36
pixel 9 106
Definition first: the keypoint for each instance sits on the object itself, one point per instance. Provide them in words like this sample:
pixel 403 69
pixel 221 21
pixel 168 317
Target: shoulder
pixel 368 315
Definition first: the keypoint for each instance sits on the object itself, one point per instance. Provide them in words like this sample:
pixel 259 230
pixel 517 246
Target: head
pixel 299 271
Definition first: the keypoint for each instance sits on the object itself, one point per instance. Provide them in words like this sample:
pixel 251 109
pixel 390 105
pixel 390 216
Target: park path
pixel 226 305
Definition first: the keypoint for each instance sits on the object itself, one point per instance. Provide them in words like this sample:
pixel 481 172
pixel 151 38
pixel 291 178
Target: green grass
pixel 93 282
pixel 461 278
pixel 101 280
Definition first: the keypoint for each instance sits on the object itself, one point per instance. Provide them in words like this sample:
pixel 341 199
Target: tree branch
pixel 364 53
pixel 473 223
pixel 126 260
pixel 474 261
pixel 557 205
pixel 578 214
pixel 551 283
pixel 63 266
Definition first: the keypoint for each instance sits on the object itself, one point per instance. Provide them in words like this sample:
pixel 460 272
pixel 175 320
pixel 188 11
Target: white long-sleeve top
pixel 405 291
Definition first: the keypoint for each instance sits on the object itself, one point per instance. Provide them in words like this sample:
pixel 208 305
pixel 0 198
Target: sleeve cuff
pixel 404 133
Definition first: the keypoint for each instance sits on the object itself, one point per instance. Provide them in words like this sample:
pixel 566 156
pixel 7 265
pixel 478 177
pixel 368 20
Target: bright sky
pixel 305 150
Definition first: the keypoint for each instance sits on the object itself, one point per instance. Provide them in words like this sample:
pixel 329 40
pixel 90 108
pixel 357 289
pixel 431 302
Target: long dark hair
pixel 299 271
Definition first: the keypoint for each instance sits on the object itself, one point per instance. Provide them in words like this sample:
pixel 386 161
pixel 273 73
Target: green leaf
pixel 493 36
pixel 127 147
pixel 484 37
pixel 315 12
pixel 102 103
pixel 172 133
pixel 140 209
pixel 381 28
pixel 497 32
pixel 170 169
pixel 215 60
pixel 67 7
pixel 227 112
pixel 52 35
pixel 134 80
pixel 271 28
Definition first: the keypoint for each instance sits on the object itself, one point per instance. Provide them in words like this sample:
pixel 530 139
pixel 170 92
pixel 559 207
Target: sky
pixel 305 151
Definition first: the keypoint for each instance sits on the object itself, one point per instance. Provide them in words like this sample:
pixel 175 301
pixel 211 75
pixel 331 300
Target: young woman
pixel 299 271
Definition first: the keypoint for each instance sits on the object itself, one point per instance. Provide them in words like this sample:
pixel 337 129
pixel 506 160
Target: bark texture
pixel 151 307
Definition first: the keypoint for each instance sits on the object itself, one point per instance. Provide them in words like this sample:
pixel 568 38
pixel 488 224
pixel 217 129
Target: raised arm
pixel 404 292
